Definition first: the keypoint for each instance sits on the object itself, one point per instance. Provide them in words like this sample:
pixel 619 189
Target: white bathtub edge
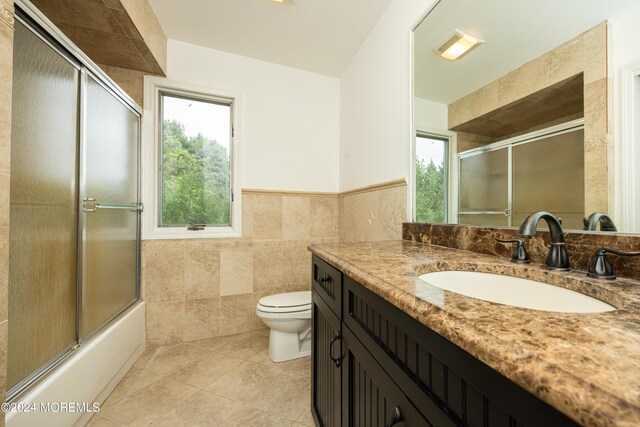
pixel 89 375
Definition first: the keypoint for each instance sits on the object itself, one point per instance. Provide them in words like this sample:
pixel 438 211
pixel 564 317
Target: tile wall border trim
pixel 254 191
pixel 375 187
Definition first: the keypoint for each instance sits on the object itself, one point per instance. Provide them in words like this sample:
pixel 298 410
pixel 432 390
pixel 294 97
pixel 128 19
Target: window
pixel 191 161
pixel 195 142
pixel 431 178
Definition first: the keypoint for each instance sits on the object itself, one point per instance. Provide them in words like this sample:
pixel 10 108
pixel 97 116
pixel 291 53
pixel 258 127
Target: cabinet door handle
pixel 336 360
pixel 396 417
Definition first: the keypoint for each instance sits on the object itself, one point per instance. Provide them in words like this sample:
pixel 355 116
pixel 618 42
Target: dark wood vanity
pixel 374 365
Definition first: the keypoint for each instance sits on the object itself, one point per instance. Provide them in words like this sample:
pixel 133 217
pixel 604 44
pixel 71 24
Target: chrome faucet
pixel 606 223
pixel 558 259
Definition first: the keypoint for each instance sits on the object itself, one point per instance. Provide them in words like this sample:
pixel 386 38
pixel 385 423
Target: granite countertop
pixel 585 365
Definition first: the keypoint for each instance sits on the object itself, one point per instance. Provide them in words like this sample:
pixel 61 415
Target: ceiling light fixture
pixel 284 1
pixel 458 44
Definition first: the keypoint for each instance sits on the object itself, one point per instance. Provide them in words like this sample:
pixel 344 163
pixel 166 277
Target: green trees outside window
pixel 195 168
pixel 431 185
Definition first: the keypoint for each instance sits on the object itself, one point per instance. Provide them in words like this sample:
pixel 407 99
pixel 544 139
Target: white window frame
pixel 153 86
pixel 627 153
pixel 451 170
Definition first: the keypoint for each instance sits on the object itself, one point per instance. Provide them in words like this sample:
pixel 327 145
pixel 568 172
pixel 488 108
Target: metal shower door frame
pixel 84 208
pixel 29 16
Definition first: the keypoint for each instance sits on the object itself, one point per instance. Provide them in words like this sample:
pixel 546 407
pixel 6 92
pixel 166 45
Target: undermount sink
pixel 516 292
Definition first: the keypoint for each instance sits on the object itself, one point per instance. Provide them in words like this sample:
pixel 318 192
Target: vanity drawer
pixel 327 282
pixel 447 384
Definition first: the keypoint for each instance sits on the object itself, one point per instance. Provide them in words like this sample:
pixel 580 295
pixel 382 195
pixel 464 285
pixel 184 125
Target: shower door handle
pixel 90 204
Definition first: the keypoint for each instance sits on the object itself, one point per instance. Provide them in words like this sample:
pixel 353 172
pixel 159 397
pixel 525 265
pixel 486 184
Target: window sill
pixel 183 233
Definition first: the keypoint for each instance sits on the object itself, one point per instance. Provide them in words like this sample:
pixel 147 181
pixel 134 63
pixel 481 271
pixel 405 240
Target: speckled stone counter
pixel 585 365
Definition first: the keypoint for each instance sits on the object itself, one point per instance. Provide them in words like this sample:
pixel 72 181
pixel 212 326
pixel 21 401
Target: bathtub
pixel 68 394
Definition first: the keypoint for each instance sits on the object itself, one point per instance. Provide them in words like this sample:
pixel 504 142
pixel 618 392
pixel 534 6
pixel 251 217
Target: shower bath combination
pixel 74 203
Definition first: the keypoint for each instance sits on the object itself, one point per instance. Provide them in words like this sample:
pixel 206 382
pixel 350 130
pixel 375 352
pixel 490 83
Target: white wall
pixel 626 60
pixel 430 115
pixel 375 96
pixel 289 123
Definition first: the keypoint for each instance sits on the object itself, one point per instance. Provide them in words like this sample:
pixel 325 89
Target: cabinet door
pixel 370 397
pixel 326 350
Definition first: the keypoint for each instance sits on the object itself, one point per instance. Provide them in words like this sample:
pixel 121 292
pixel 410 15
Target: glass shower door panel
pixel 43 207
pixel 111 173
pixel 484 182
pixel 548 175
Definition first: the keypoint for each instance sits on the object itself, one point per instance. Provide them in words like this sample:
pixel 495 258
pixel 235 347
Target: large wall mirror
pixel 522 106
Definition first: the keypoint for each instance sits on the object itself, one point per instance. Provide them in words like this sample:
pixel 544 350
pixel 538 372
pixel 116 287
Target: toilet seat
pixel 290 302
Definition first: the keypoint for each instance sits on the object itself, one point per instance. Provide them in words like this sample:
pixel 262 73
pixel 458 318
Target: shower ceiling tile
pixel 110 32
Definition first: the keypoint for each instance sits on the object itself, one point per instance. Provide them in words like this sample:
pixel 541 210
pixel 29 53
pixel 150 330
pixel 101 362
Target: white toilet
pixel 288 316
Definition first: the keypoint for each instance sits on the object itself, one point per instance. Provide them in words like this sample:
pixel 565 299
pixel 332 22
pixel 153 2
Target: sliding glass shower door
pixel 74 203
pixel 43 206
pixel 500 185
pixel 110 208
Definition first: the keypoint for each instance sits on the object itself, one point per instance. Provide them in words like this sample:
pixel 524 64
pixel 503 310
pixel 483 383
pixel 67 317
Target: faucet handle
pixel 601 268
pixel 519 253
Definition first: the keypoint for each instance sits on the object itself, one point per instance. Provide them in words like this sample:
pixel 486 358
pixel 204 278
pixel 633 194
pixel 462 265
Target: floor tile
pixel 243 382
pixel 247 416
pixel 306 418
pixel 245 347
pixel 265 332
pixel 148 403
pixel 263 358
pixel 225 381
pixel 287 396
pixel 300 367
pixel 135 379
pixel 144 358
pixel 204 372
pixel 98 421
pixel 212 344
pixel 170 358
pixel 202 409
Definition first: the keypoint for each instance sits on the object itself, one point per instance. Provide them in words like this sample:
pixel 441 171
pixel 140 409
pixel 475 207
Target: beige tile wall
pixel 201 288
pixel 125 34
pixel 131 81
pixel 587 53
pixel 6 69
pixel 148 27
pixel 373 213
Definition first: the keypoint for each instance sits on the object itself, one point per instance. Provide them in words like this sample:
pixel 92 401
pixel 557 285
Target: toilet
pixel 288 315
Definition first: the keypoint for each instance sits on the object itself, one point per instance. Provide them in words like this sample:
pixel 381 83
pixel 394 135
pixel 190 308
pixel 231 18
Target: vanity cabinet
pixel 374 365
pixel 326 344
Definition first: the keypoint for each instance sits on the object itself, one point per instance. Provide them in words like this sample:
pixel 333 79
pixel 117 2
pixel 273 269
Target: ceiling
pixel 320 36
pixel 515 32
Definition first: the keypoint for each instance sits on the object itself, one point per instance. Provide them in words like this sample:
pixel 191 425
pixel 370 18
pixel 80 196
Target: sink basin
pixel 515 291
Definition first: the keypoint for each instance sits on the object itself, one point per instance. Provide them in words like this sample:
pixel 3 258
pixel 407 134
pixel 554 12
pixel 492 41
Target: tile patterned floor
pixel 223 381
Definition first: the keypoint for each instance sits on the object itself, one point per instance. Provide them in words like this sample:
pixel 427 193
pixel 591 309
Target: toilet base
pixel 285 346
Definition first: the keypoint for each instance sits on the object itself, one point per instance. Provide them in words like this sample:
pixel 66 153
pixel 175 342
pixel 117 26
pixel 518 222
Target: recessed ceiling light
pixel 458 44
pixel 284 1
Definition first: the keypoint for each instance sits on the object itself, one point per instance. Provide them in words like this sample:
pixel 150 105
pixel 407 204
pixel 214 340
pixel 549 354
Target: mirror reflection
pixel 514 108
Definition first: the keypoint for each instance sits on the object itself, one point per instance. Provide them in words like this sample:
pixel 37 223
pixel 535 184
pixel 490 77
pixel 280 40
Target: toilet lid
pixel 289 301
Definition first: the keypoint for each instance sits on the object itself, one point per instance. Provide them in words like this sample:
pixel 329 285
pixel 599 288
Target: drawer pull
pixel 336 360
pixel 324 280
pixel 396 418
